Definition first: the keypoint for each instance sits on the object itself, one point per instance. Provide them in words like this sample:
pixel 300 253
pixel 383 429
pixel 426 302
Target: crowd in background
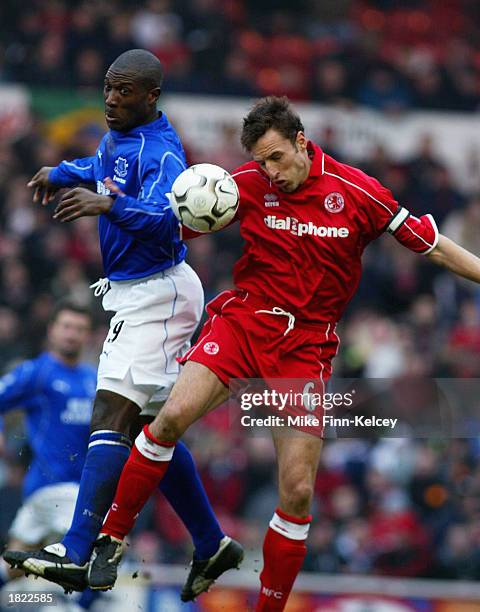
pixel 392 506
pixel 386 54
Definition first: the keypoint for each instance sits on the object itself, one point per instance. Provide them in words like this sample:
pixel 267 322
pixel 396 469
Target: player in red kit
pixel 306 220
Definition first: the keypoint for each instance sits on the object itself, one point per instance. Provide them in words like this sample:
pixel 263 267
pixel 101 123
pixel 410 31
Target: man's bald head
pixel 141 64
pixel 131 89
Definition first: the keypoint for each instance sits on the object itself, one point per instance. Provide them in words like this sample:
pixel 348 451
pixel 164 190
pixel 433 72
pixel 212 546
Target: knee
pixel 296 497
pixel 114 412
pixel 169 424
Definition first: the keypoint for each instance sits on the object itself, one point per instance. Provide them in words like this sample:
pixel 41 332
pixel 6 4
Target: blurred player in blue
pixel 56 392
pixel 157 300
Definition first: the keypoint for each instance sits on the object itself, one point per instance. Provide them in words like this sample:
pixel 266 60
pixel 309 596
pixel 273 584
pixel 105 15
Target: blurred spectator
pixel 338 53
pixel 330 85
pixel 384 91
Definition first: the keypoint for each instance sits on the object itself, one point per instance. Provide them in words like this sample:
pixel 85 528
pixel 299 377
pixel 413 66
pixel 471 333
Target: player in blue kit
pixel 56 392
pixel 157 300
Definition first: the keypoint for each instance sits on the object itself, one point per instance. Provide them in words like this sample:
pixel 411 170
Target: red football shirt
pixel 303 249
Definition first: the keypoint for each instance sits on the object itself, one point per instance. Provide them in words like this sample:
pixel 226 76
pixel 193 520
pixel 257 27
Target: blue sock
pixel 184 490
pixel 87 598
pixel 106 456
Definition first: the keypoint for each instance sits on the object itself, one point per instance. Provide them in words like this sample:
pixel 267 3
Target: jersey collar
pixel 159 124
pixel 316 155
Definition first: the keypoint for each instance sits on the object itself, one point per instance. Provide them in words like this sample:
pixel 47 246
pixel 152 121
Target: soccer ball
pixel 204 198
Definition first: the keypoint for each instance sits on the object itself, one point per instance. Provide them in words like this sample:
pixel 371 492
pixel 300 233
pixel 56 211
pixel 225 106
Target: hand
pixel 112 187
pixel 44 189
pixel 80 202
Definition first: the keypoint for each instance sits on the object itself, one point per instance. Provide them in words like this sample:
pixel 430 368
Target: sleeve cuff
pixel 118 207
pixel 437 235
pixel 53 176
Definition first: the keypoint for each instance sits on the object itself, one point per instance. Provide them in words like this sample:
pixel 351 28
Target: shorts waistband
pixel 262 302
pixel 144 279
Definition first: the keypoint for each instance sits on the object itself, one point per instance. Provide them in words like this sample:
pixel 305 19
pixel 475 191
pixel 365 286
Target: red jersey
pixel 303 249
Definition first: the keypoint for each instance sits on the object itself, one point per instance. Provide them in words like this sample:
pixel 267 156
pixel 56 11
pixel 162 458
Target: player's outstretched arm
pixel 48 180
pixel 456 259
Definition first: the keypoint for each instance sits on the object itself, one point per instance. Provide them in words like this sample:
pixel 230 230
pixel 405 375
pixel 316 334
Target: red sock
pixel 283 553
pixel 145 468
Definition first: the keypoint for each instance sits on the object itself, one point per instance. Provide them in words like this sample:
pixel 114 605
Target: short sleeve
pixel 419 234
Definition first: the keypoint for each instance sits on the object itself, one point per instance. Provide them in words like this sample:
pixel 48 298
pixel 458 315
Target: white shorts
pixel 46 514
pixel 154 320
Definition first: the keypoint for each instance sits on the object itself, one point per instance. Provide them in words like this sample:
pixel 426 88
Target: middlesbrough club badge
pixel 211 348
pixel 334 202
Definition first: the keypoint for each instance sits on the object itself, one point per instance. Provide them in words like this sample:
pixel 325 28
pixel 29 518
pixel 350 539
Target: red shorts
pixel 239 343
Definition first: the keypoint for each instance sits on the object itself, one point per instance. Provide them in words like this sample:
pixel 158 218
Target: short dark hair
pixel 146 67
pixel 270 112
pixel 70 306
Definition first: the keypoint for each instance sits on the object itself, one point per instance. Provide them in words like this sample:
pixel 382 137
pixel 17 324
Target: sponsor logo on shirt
pixel 292 225
pixel 334 202
pixel 77 412
pixel 271 199
pixel 101 189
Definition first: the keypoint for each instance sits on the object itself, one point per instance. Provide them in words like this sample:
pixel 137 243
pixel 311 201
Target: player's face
pixel 286 163
pixel 69 333
pixel 128 103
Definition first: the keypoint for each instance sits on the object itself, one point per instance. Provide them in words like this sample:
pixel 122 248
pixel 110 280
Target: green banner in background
pixel 67 112
pixel 49 103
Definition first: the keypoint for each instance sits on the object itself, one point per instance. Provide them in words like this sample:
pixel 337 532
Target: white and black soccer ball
pixel 204 198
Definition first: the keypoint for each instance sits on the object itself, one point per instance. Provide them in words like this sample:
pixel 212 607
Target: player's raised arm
pixel 455 258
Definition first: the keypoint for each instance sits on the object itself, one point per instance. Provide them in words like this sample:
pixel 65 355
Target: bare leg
pixel 284 545
pixel 298 455
pixel 197 391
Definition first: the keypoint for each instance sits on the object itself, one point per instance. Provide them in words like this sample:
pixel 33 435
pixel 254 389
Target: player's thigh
pixel 298 454
pixel 197 391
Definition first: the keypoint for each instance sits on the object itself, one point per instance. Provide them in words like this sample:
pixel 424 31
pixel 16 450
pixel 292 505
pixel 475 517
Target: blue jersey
pixel 57 400
pixel 140 235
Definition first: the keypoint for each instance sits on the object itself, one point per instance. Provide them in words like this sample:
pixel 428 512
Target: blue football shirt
pixel 140 235
pixel 57 400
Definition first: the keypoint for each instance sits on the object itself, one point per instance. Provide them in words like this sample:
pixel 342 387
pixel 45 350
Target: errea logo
pixel 292 225
pixel 271 199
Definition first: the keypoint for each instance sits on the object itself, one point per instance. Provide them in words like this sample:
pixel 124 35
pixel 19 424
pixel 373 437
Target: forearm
pixel 70 173
pixel 144 220
pixel 456 259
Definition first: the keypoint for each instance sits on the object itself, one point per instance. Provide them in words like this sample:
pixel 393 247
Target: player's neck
pixel 152 117
pixel 70 361
pixel 308 165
